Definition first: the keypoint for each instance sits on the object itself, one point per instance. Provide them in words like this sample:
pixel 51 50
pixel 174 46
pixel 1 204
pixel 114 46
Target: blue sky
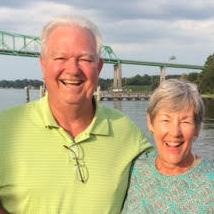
pixel 147 30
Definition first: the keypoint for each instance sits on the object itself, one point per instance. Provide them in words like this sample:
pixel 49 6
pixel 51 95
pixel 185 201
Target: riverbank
pixel 136 110
pixel 208 96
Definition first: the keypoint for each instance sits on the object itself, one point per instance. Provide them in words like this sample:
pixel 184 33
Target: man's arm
pixel 2 210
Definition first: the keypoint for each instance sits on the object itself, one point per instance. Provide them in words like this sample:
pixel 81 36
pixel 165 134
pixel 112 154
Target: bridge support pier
pixel 162 73
pixel 99 95
pixel 117 85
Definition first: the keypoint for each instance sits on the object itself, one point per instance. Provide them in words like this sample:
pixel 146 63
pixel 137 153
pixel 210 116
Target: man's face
pixel 70 66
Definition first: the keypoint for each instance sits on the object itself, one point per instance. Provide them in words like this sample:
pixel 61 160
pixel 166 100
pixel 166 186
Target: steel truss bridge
pixel 29 46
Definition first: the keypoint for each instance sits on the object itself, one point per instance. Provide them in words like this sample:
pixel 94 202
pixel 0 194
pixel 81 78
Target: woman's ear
pixel 149 123
pixel 197 131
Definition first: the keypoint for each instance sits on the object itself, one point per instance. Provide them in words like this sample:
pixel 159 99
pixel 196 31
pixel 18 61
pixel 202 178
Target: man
pixel 66 154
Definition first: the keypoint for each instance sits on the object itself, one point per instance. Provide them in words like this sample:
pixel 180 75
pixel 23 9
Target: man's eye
pixel 164 120
pixel 85 59
pixel 59 58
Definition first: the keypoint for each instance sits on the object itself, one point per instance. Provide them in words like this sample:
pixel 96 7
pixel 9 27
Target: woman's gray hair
pixel 176 95
pixel 74 20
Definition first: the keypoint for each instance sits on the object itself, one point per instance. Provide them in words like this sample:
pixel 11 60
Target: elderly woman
pixel 173 179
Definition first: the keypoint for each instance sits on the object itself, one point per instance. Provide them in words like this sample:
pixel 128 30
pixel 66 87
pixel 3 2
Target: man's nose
pixel 73 67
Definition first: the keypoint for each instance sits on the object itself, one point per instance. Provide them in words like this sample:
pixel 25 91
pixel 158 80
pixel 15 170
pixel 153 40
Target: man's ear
pixel 100 65
pixel 42 63
pixel 149 123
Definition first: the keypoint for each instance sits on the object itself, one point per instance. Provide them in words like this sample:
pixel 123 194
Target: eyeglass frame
pixel 82 179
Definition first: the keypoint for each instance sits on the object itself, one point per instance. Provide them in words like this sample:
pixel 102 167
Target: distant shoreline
pixel 204 96
pixel 32 88
pixel 207 96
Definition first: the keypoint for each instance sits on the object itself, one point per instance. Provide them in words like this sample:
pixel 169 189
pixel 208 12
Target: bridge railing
pixel 20 45
pixel 30 46
pixel 107 95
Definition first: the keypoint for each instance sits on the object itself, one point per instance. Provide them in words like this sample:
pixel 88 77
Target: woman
pixel 173 179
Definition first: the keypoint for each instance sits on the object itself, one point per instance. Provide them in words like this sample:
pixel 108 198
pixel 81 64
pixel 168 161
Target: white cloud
pixel 31 18
pixel 150 30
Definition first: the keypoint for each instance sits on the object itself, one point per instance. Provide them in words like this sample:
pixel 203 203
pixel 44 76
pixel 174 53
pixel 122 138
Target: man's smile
pixel 71 82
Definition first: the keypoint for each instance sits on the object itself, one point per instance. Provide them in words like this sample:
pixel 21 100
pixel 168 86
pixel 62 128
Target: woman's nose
pixel 175 129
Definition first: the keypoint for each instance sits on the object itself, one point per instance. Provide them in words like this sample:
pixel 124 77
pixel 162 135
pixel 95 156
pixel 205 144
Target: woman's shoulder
pixel 146 157
pixel 144 162
pixel 207 161
pixel 206 166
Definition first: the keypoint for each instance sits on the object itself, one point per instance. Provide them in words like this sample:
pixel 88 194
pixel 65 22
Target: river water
pixel 136 110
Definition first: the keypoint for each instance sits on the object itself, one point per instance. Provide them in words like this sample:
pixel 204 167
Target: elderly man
pixel 65 153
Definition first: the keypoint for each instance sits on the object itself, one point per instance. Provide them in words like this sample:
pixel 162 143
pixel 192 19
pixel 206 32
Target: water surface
pixel 136 110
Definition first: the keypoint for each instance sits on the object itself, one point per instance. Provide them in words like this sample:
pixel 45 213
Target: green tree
pixel 206 77
pixel 20 83
pixel 155 81
pixel 193 77
pixel 139 80
pixel 105 84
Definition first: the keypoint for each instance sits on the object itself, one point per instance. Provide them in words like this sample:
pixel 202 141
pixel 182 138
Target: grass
pixel 208 96
pixel 137 88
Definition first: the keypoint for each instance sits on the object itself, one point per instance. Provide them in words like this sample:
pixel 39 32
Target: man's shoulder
pixel 112 113
pixel 123 128
pixel 21 110
pixel 117 117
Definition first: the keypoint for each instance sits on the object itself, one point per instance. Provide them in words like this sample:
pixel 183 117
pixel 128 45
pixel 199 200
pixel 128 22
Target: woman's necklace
pixel 193 162
pixel 167 171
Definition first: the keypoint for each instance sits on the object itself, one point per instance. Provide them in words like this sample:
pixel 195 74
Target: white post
pixel 162 73
pixel 98 93
pixel 27 89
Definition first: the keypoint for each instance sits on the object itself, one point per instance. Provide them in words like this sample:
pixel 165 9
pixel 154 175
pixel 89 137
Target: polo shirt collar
pixel 48 119
pixel 98 126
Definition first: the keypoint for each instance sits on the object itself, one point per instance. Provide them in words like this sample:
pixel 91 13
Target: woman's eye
pixel 187 122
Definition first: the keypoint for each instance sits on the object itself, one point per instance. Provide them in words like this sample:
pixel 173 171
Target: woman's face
pixel 174 133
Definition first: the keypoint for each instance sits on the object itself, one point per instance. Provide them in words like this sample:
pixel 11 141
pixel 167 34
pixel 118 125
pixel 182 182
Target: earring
pixel 195 138
pixel 151 132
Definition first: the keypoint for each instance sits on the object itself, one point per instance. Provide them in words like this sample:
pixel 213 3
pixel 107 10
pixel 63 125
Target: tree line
pixel 204 80
pixel 20 83
pixel 137 82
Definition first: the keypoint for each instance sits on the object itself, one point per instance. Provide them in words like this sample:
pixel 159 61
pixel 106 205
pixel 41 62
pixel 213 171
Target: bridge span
pixel 121 95
pixel 29 46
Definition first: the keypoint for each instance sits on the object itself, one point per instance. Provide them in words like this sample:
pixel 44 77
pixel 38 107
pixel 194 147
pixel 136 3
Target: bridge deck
pixel 123 96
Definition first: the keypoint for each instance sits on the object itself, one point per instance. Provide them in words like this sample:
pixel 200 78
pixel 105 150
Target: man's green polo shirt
pixel 38 175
